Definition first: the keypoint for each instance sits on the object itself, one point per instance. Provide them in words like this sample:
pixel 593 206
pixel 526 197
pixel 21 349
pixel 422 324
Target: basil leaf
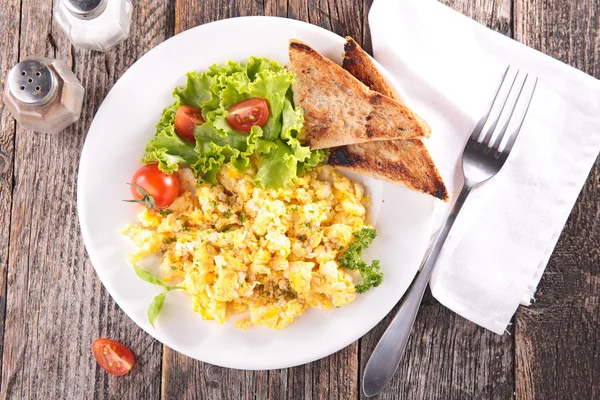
pixel 155 307
pixel 148 277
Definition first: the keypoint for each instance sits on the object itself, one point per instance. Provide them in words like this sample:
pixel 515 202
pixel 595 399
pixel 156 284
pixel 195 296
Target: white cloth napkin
pixel 450 66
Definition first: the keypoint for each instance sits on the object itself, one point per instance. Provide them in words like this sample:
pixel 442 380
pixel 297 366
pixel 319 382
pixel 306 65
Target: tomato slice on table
pixel 160 190
pixel 186 118
pixel 247 113
pixel 113 357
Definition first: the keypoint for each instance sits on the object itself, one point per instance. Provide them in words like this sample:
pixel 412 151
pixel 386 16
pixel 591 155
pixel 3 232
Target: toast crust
pixel 339 109
pixel 359 64
pixel 405 162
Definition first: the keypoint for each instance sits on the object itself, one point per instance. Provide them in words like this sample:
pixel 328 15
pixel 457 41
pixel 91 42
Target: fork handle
pixel 385 359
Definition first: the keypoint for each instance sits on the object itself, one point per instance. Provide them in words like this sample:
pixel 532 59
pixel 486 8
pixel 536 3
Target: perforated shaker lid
pixel 31 82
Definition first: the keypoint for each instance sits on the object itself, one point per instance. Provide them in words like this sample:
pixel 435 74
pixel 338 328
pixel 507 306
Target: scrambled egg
pixel 265 254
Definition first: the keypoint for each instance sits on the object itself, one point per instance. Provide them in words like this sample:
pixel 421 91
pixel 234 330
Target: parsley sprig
pixel 352 259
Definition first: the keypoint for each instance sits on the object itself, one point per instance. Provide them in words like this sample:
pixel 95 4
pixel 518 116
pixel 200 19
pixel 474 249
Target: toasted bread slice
pixel 339 109
pixel 405 162
pixel 359 64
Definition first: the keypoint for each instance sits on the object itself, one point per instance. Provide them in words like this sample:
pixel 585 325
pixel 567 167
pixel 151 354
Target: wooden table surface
pixel 52 305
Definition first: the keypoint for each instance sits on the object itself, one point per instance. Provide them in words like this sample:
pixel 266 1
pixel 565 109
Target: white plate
pixel 114 145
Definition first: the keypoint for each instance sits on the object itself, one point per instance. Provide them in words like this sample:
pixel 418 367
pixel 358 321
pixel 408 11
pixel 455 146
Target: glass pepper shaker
pixel 43 95
pixel 94 24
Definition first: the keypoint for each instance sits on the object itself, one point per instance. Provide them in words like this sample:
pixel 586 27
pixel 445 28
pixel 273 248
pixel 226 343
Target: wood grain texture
pixel 566 30
pixel 495 14
pixel 9 49
pixel 447 357
pixel 56 305
pixel 557 340
pixel 190 13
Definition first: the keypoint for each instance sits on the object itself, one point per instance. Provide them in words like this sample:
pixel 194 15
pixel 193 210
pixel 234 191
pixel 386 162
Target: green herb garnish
pixel 227 228
pixel 155 306
pixel 148 277
pixel 158 301
pixel 352 259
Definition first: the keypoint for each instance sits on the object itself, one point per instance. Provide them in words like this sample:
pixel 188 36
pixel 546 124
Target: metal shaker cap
pixel 85 9
pixel 31 82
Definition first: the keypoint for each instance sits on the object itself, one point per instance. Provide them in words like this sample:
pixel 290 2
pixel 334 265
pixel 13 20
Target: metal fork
pixel 481 160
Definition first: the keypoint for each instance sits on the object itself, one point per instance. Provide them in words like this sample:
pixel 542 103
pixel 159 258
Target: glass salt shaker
pixel 43 95
pixel 94 24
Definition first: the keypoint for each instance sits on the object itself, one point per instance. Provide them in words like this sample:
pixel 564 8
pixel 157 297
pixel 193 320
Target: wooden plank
pixel 448 357
pixel 568 30
pixel 496 15
pixel 190 13
pixel 557 344
pixel 332 377
pixel 9 18
pixel 56 305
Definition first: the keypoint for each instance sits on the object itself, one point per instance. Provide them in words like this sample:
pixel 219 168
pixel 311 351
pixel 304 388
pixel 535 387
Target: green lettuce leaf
pixel 169 150
pixel 317 157
pixel 291 126
pixel 197 91
pixel 214 150
pixel 278 167
pixel 214 91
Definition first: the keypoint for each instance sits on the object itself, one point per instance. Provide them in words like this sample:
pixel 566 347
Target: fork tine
pixel 498 140
pixel 488 136
pixel 513 136
pixel 479 127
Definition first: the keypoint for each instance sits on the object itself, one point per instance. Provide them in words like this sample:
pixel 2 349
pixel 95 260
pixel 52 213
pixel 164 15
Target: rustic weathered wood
pixel 52 305
pixel 557 339
pixel 496 15
pixel 447 357
pixel 55 304
pixel 9 49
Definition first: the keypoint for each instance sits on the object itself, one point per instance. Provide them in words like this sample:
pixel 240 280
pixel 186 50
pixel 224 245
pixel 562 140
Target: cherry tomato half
pixel 163 188
pixel 112 356
pixel 247 113
pixel 186 118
